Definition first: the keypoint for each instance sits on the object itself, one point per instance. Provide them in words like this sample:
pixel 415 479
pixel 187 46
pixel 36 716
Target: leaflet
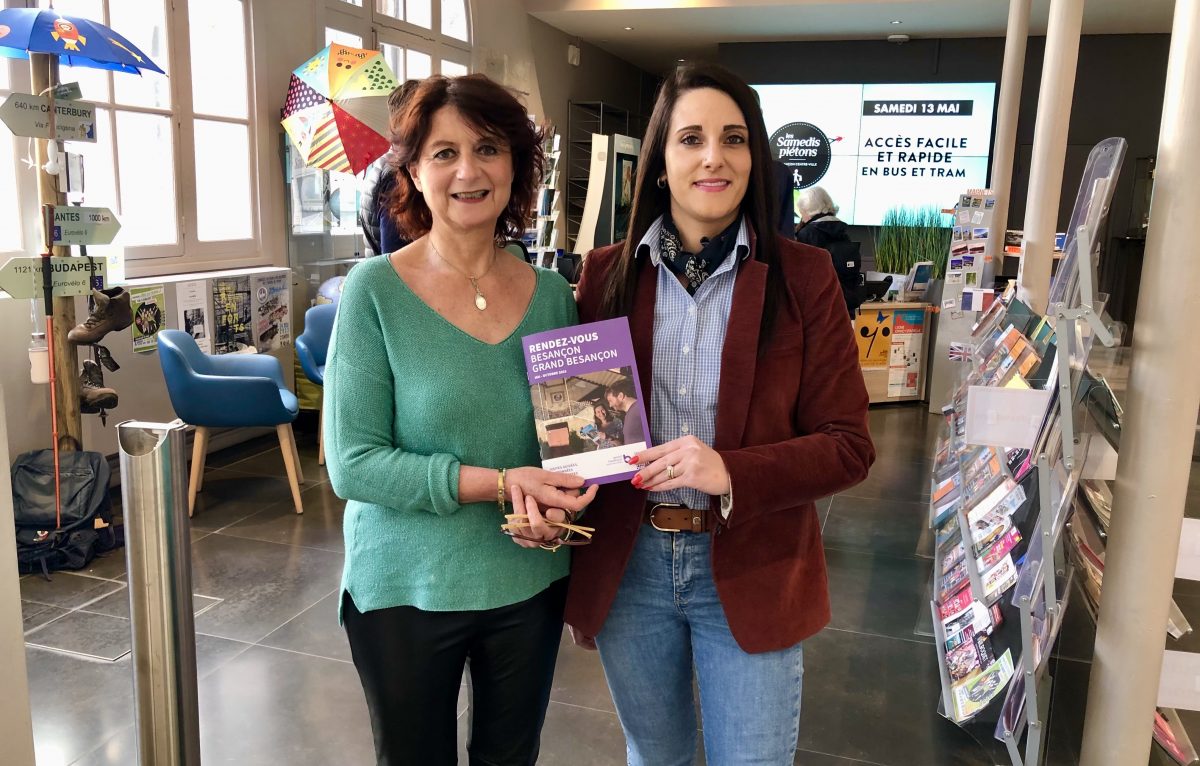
pixel 973 694
pixel 588 406
pixel 999 578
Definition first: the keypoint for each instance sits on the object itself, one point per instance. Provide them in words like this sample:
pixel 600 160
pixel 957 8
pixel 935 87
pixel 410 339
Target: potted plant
pixel 908 236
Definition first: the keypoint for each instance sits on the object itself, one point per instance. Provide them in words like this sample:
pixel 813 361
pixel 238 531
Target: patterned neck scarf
pixel 695 267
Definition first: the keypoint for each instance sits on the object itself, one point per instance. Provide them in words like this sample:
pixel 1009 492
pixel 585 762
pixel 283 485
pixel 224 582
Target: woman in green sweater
pixel 429 428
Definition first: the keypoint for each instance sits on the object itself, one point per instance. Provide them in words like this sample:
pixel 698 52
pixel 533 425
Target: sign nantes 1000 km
pixel 23 277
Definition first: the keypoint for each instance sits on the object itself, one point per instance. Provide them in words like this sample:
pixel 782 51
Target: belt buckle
pixel 655 508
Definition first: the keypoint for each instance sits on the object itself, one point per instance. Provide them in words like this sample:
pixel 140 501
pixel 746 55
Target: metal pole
pixel 158 552
pixel 1156 439
pixel 1049 150
pixel 1006 117
pixel 16 723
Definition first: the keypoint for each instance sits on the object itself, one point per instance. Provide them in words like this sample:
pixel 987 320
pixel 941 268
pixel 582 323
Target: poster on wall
pixel 148 304
pixel 231 314
pixel 877 146
pixel 904 361
pixel 623 195
pixel 873 331
pixel 272 312
pixel 624 177
pixel 191 300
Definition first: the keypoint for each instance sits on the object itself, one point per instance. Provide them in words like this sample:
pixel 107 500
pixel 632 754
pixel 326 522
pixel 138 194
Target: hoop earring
pixel 662 182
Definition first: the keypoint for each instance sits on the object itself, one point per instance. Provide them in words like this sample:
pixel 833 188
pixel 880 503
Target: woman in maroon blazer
pixel 710 562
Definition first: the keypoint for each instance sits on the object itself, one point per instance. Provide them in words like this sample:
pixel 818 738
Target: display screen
pixel 874 147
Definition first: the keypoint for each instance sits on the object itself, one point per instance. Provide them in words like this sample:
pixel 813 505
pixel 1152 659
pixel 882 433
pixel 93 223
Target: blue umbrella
pixel 76 41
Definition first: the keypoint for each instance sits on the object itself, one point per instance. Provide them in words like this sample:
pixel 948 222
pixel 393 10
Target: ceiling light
pixel 628 29
pixel 679 60
pixel 897 21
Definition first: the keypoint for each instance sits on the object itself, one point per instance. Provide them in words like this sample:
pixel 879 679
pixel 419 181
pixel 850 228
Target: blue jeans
pixel 666 622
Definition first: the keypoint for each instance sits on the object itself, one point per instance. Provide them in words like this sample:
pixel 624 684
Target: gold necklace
pixel 480 301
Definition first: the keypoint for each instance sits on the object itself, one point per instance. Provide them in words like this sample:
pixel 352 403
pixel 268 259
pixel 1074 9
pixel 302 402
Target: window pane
pixel 342 208
pixel 393 8
pixel 454 19
pixel 353 2
pixel 10 208
pixel 219 76
pixel 145 24
pixel 93 82
pixel 453 68
pixel 222 181
pixel 99 176
pixel 341 38
pixel 418 65
pixel 394 56
pixel 146 164
pixel 420 12
pixel 92 10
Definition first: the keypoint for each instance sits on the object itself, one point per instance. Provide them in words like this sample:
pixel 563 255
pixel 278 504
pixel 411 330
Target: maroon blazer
pixel 791 428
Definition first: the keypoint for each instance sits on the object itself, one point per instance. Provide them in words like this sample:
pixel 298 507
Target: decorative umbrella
pixel 76 41
pixel 336 111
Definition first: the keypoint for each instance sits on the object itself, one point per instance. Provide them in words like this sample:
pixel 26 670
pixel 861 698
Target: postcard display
pixel 966 289
pixel 1006 473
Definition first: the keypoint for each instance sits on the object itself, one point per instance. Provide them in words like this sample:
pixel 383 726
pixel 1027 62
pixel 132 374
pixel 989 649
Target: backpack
pixel 847 261
pixel 43 544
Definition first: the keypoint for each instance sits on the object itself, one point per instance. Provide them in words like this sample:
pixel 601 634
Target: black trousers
pixel 411 665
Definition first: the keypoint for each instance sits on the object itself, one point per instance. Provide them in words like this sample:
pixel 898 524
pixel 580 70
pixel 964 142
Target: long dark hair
pixel 493 111
pixel 650 202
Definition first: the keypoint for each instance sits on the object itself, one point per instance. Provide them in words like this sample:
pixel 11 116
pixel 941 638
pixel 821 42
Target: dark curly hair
pixel 493 111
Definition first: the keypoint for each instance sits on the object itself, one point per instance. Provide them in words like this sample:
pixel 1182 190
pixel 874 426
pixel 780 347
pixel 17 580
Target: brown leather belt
pixel 670 517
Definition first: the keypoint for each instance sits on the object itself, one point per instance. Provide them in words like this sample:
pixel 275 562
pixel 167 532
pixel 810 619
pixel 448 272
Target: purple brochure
pixel 587 400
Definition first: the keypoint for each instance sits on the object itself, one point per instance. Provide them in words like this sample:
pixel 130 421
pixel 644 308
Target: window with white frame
pixel 174 156
pixel 418 38
pixel 342 37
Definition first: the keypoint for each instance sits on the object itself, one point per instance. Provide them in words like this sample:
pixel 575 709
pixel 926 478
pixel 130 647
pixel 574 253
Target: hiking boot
pixel 93 396
pixel 112 312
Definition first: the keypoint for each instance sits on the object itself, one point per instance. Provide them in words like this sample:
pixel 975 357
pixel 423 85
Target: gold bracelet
pixel 500 490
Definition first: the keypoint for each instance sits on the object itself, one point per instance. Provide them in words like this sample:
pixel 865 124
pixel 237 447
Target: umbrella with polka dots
pixel 336 111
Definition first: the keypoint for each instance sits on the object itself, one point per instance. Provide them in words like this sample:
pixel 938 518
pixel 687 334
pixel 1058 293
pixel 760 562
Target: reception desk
pixel 892 340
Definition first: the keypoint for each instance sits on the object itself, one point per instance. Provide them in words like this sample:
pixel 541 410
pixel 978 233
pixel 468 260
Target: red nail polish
pixel 633 460
pixel 636 481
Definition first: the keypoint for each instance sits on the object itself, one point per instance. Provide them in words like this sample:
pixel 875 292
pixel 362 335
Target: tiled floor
pixel 277 687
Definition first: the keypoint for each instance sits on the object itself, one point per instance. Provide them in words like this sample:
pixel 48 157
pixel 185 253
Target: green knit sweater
pixel 408 398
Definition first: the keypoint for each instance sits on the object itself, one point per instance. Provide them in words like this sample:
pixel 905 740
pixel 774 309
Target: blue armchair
pixel 312 346
pixel 228 391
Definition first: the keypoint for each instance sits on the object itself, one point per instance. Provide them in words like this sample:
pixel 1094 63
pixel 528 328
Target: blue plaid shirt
pixel 689 335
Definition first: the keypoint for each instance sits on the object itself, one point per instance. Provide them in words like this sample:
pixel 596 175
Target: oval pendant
pixel 480 301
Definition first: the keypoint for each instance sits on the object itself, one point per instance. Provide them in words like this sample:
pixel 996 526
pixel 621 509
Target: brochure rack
pixel 969 266
pixel 542 234
pixel 994 631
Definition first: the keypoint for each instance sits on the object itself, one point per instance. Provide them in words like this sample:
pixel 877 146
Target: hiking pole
pixel 48 294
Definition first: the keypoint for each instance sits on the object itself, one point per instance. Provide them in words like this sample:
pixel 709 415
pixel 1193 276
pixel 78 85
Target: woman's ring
pixel 670 472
